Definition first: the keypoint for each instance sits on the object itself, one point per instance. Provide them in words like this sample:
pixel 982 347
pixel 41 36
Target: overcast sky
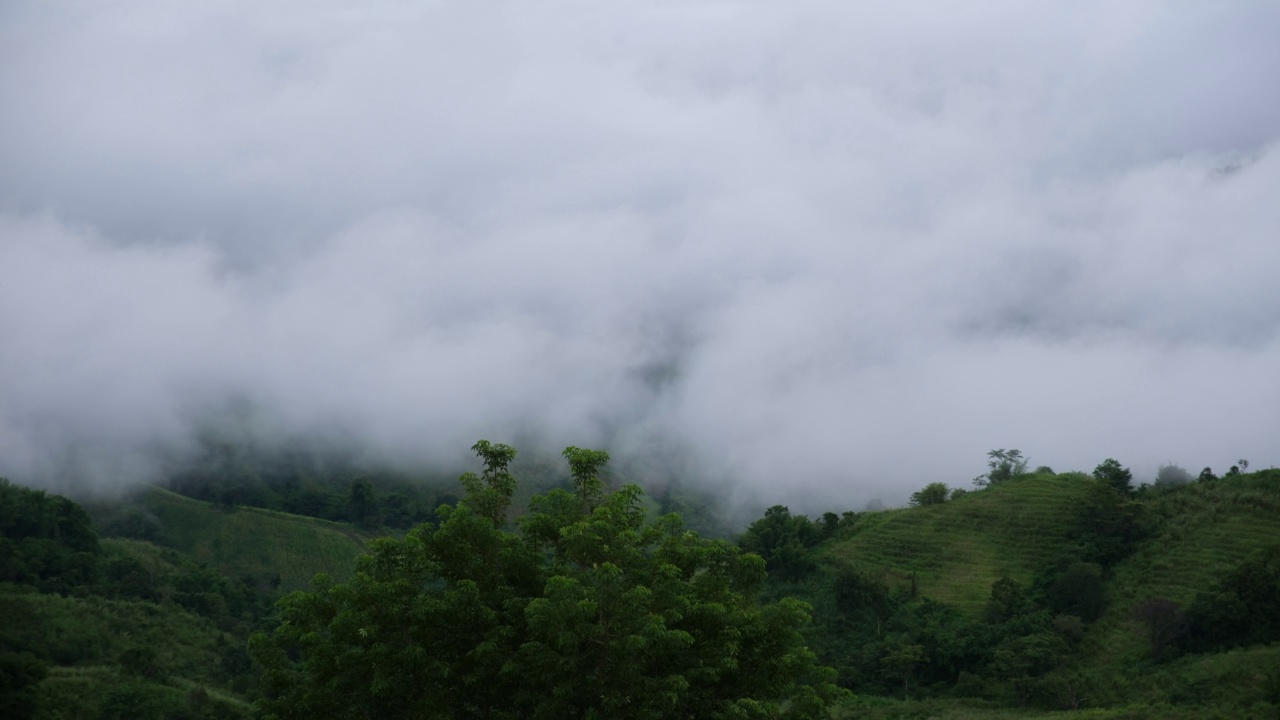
pixel 829 250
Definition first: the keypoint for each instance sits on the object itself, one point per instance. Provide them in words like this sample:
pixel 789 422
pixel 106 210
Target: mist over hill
pixel 812 251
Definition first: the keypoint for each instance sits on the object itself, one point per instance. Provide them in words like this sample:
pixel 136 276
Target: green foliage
pixel 46 541
pixel 783 540
pixel 1077 590
pixel 362 504
pixel 1105 526
pixel 586 612
pixel 1241 608
pixel 1011 601
pixel 143 617
pixel 99 692
pixel 490 493
pixel 900 659
pixel 1061 631
pixel 931 494
pixel 1111 472
pixel 1003 466
pixel 583 466
pixel 253 542
pixel 20 673
pixel 1162 622
pixel 861 600
pixel 298 476
pixel 956 550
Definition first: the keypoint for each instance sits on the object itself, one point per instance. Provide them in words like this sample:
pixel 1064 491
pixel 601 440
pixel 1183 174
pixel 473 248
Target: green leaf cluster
pixel 585 611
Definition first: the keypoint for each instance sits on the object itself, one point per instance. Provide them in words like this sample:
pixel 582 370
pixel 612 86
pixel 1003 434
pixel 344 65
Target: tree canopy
pixel 1003 465
pixel 1111 472
pixel 586 611
pixel 931 494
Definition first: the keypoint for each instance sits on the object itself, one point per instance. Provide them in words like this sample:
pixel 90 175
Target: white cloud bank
pixel 834 250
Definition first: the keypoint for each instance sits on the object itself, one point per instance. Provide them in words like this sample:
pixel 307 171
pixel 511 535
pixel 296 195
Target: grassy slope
pixel 251 540
pixel 82 692
pixel 84 635
pixel 957 549
pixel 1203 530
pixel 188 647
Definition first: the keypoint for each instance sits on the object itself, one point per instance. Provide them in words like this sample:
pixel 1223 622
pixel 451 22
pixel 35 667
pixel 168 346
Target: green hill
pixel 252 541
pixel 85 639
pixel 956 550
pixel 1176 544
pixel 1200 531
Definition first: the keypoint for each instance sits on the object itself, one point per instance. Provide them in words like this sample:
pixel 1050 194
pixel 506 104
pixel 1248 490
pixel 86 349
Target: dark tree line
pixel 306 481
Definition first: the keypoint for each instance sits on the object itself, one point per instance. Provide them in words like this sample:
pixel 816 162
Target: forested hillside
pixel 1047 592
pixel 1037 593
pixel 149 626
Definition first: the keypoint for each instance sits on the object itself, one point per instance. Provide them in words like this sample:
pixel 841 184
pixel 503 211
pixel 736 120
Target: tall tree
pixel 588 611
pixel 1111 472
pixel 1163 622
pixel 931 494
pixel 1002 466
pixel 362 504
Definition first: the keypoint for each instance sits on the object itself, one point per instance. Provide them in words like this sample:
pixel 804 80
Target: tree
pixel 1111 472
pixel 1003 465
pixel 362 505
pixel 1163 622
pixel 586 611
pixel 1077 590
pixel 900 660
pixel 1206 475
pixel 862 600
pixel 20 673
pixel 1171 474
pixel 1243 607
pixel 931 494
pixel 1019 659
pixel 783 539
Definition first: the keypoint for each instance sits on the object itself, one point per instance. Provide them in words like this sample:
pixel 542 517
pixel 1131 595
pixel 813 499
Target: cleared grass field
pixel 254 541
pixel 956 550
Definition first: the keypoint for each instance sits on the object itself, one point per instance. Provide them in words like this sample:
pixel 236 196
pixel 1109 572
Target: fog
pixel 822 251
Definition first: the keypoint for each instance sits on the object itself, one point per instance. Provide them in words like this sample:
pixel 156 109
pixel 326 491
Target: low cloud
pixel 826 253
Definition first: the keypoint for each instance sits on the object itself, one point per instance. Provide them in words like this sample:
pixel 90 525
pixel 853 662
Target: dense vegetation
pixel 106 627
pixel 1046 591
pixel 338 482
pixel 1039 592
pixel 300 477
pixel 589 611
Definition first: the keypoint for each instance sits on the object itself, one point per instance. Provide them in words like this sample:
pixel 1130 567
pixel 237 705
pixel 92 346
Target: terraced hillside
pixel 254 541
pixel 1185 540
pixel 956 550
pixel 1200 532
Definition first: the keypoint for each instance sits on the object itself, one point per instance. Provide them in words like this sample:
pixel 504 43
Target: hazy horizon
pixel 826 252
